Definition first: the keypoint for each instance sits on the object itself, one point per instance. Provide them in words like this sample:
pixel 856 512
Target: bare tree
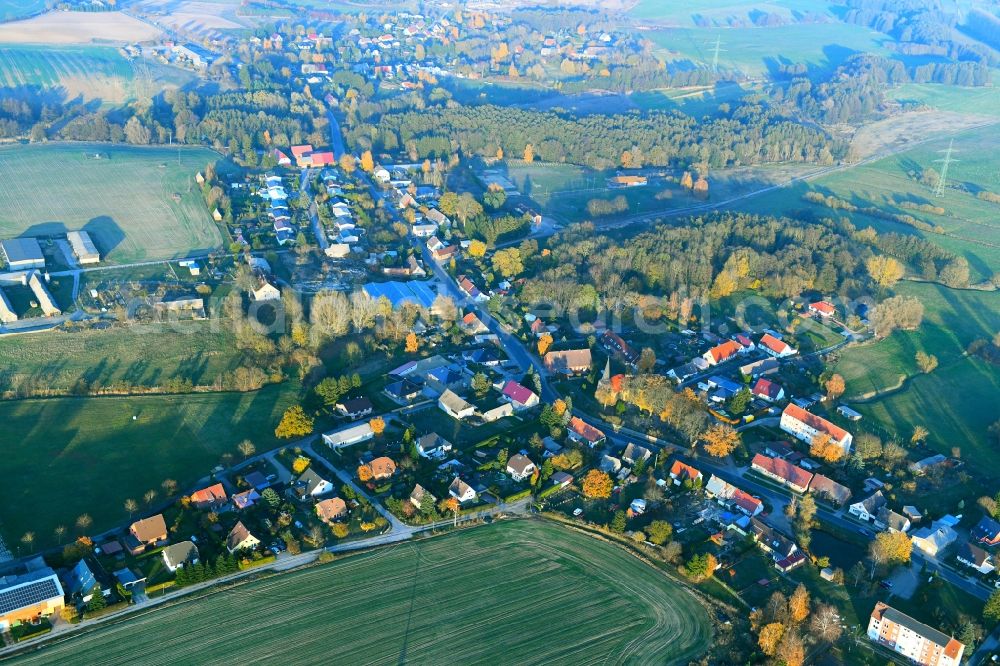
pixel 60 532
pixel 247 448
pixel 131 506
pixel 29 540
pixel 149 497
pixel 169 487
pixel 84 522
pixel 825 623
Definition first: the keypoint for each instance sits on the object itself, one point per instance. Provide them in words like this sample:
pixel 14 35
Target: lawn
pixel 720 10
pixel 88 455
pixel 92 72
pixel 979 101
pixel 970 225
pixel 543 592
pixel 757 51
pixel 952 319
pixel 137 203
pixel 198 351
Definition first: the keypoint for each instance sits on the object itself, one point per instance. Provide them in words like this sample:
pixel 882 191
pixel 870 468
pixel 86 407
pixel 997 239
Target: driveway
pixel 905 580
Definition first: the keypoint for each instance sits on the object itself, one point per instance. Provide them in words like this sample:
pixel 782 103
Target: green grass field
pixel 755 51
pixel 92 72
pixel 58 360
pixel 509 593
pixel 980 101
pixel 956 402
pixel 971 226
pixel 87 455
pixel 125 200
pixel 684 13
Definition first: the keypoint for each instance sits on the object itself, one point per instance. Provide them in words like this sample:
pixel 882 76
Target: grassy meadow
pixel 978 101
pixel 137 203
pixel 546 593
pixel 720 10
pixel 957 401
pixel 198 350
pixel 88 455
pixel 15 9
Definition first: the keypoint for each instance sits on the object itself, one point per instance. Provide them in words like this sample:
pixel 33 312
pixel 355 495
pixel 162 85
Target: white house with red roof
pixel 775 347
pixel 783 472
pixel 823 309
pixel 520 396
pixel 581 431
pixel 722 352
pixel 680 471
pixel 765 389
pixel 805 426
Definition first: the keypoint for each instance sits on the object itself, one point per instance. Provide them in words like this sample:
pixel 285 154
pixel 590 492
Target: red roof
pixel 822 307
pixel 745 501
pixel 322 159
pixel 782 468
pixel 585 430
pixel 815 422
pixel 726 350
pixel 766 389
pixel 517 393
pixel 774 344
pixel 680 470
pixel 744 340
pixel 537 326
pixel 211 495
pixel 299 151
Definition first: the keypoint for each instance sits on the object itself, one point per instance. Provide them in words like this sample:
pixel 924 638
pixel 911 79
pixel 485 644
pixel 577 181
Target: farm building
pixel 22 254
pixel 359 432
pixel 83 247
pixel 399 293
pixel 41 292
pixel 7 314
pixel 29 596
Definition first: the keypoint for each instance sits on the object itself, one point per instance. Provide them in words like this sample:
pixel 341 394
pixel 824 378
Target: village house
pixel 179 555
pixel 520 467
pixel 680 472
pixel 570 362
pixel 432 445
pixel 454 406
pixel 265 291
pixel 987 532
pixel 147 532
pixel 29 597
pixel 382 468
pixel 418 494
pixel 722 352
pixel 783 472
pixel 765 366
pixel 725 493
pixel 330 510
pixel 805 426
pixel 246 499
pixel 402 391
pixel 310 485
pixel 615 345
pixel 822 308
pixel 828 489
pixel 975 557
pixel 519 396
pixel 935 538
pixel 768 390
pixel 784 552
pixel 472 325
pixel 355 408
pixel 914 640
pixel 79 583
pixel 561 479
pixel 461 491
pixel 775 347
pixel 240 538
pixel 633 453
pixel 582 432
pixel 212 497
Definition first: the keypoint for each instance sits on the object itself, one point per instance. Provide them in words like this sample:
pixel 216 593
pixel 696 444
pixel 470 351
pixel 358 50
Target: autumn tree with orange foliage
pixel 364 473
pixel 559 407
pixel 798 604
pixel 823 447
pixel 834 387
pixel 448 505
pixel 769 637
pixel 720 440
pixel 791 649
pixel 377 425
pixel 544 342
pixel 597 485
pixel 367 161
pixel 529 154
pixel 412 344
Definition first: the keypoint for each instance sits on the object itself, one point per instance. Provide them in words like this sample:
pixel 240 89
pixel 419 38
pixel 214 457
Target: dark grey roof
pixel 904 620
pixel 22 249
pixel 28 590
pixel 180 553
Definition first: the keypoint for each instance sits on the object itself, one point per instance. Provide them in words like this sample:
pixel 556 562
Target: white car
pixel 579 512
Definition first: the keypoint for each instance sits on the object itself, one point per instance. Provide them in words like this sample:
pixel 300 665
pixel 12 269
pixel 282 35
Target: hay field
pixel 91 72
pixel 208 18
pixel 126 200
pixel 78 28
pixel 510 593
